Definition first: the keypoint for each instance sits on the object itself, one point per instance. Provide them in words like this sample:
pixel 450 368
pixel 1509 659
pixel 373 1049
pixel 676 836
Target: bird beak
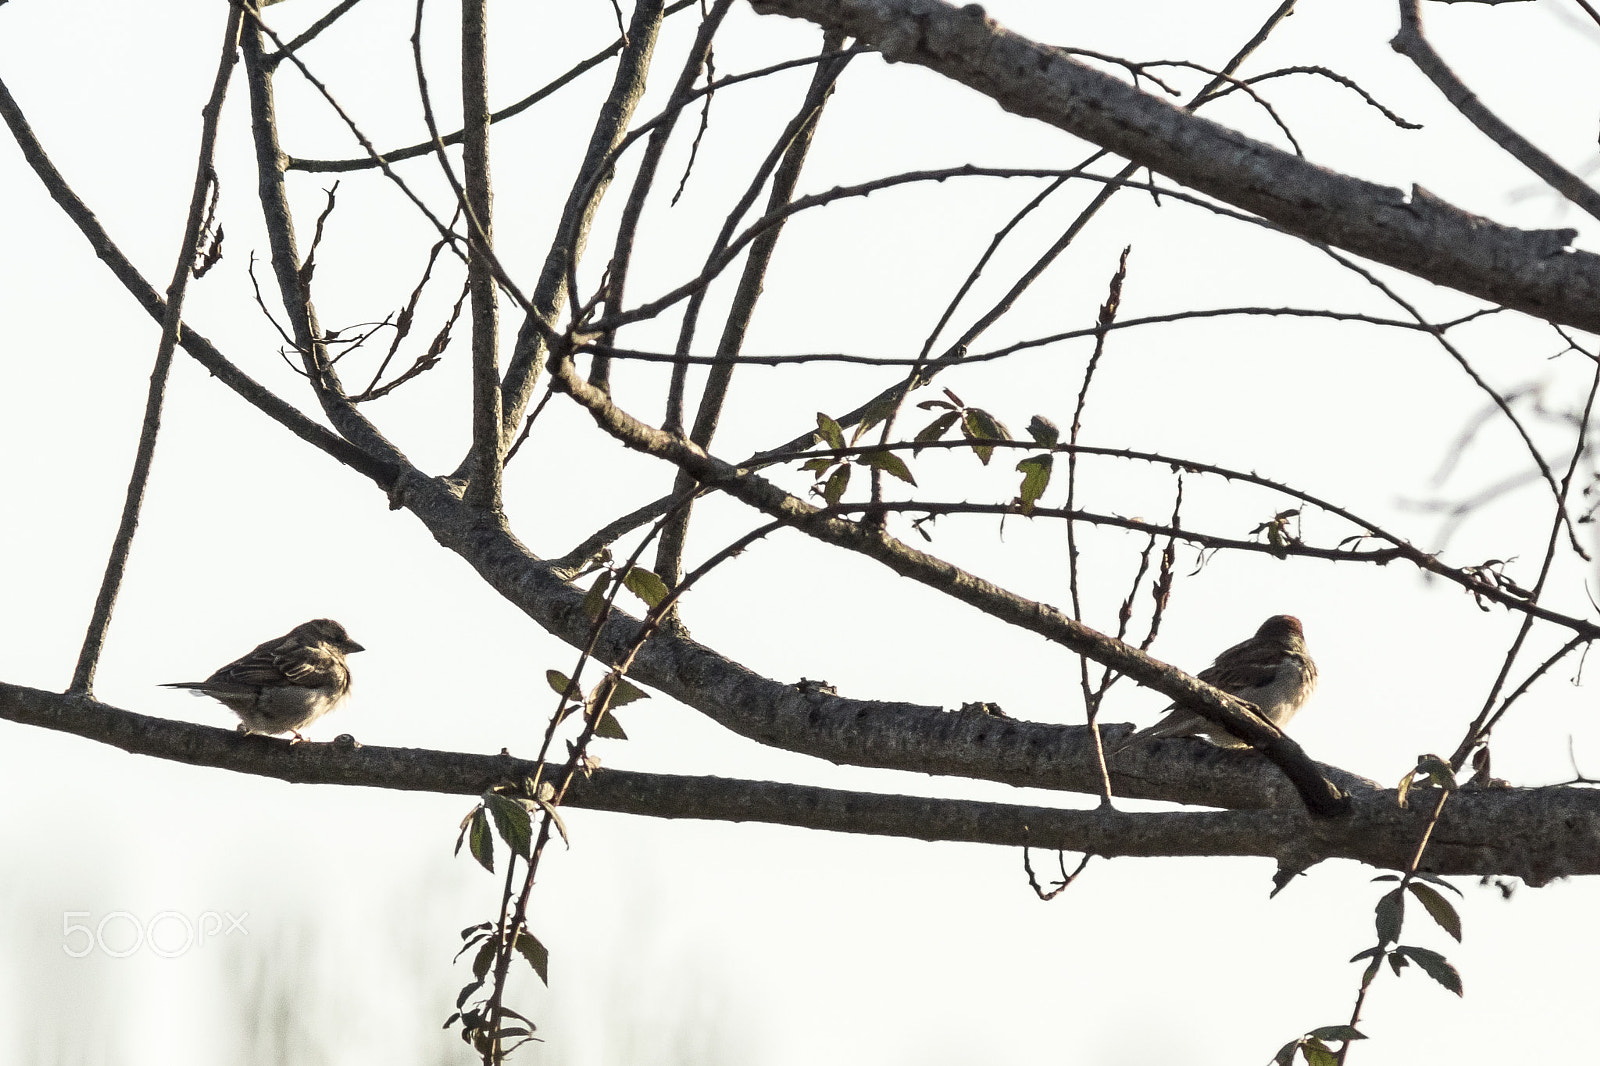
pixel 352 646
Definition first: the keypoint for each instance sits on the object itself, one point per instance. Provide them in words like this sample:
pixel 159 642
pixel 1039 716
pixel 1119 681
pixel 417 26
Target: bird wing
pixel 1244 666
pixel 284 661
pixel 311 666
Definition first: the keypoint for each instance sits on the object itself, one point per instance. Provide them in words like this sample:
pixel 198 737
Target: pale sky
pixel 712 942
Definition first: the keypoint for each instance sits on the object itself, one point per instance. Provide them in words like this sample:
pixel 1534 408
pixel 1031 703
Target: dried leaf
pixel 1044 431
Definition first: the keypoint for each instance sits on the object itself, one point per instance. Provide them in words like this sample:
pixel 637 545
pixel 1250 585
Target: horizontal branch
pixel 1534 834
pixel 1529 270
pixel 1085 333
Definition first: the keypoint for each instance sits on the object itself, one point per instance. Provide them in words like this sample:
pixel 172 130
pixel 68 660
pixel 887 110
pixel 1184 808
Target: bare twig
pixel 312 31
pixel 784 162
pixel 111 582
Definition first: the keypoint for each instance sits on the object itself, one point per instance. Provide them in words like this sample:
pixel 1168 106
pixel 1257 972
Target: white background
pixel 700 942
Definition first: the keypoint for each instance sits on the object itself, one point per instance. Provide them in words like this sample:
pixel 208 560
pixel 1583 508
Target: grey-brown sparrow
pixel 1272 670
pixel 286 683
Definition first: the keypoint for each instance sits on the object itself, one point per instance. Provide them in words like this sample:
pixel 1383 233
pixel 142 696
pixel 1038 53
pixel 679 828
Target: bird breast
pixel 1281 697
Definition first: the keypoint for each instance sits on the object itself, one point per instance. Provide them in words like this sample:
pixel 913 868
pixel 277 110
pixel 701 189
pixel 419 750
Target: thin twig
pixel 116 563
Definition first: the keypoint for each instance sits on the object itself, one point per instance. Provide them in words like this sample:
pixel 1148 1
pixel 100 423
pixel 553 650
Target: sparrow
pixel 286 683
pixel 1272 670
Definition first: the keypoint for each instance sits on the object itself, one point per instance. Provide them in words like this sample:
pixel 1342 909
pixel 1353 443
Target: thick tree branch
pixel 483 490
pixel 589 185
pixel 1528 270
pixel 1535 834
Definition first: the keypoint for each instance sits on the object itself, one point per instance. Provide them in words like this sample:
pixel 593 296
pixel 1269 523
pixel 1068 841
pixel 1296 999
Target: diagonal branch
pixel 381 470
pixel 589 185
pixel 784 163
pixel 1213 704
pixel 1411 43
pixel 204 180
pixel 1528 270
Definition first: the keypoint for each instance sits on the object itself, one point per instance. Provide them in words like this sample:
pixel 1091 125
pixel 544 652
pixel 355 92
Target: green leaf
pixel 936 429
pixel 484 960
pixel 889 463
pixel 1435 879
pixel 819 464
pixel 1438 908
pixel 624 692
pixel 594 601
pixel 931 405
pixel 1388 915
pixel 535 953
pixel 481 841
pixel 1043 431
pixel 1438 771
pixel 1337 1032
pixel 1317 1054
pixel 561 683
pixel 608 728
pixel 979 425
pixel 829 431
pixel 1285 1055
pixel 1435 966
pixel 876 412
pixel 646 585
pixel 833 491
pixel 990 427
pixel 1035 479
pixel 512 821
